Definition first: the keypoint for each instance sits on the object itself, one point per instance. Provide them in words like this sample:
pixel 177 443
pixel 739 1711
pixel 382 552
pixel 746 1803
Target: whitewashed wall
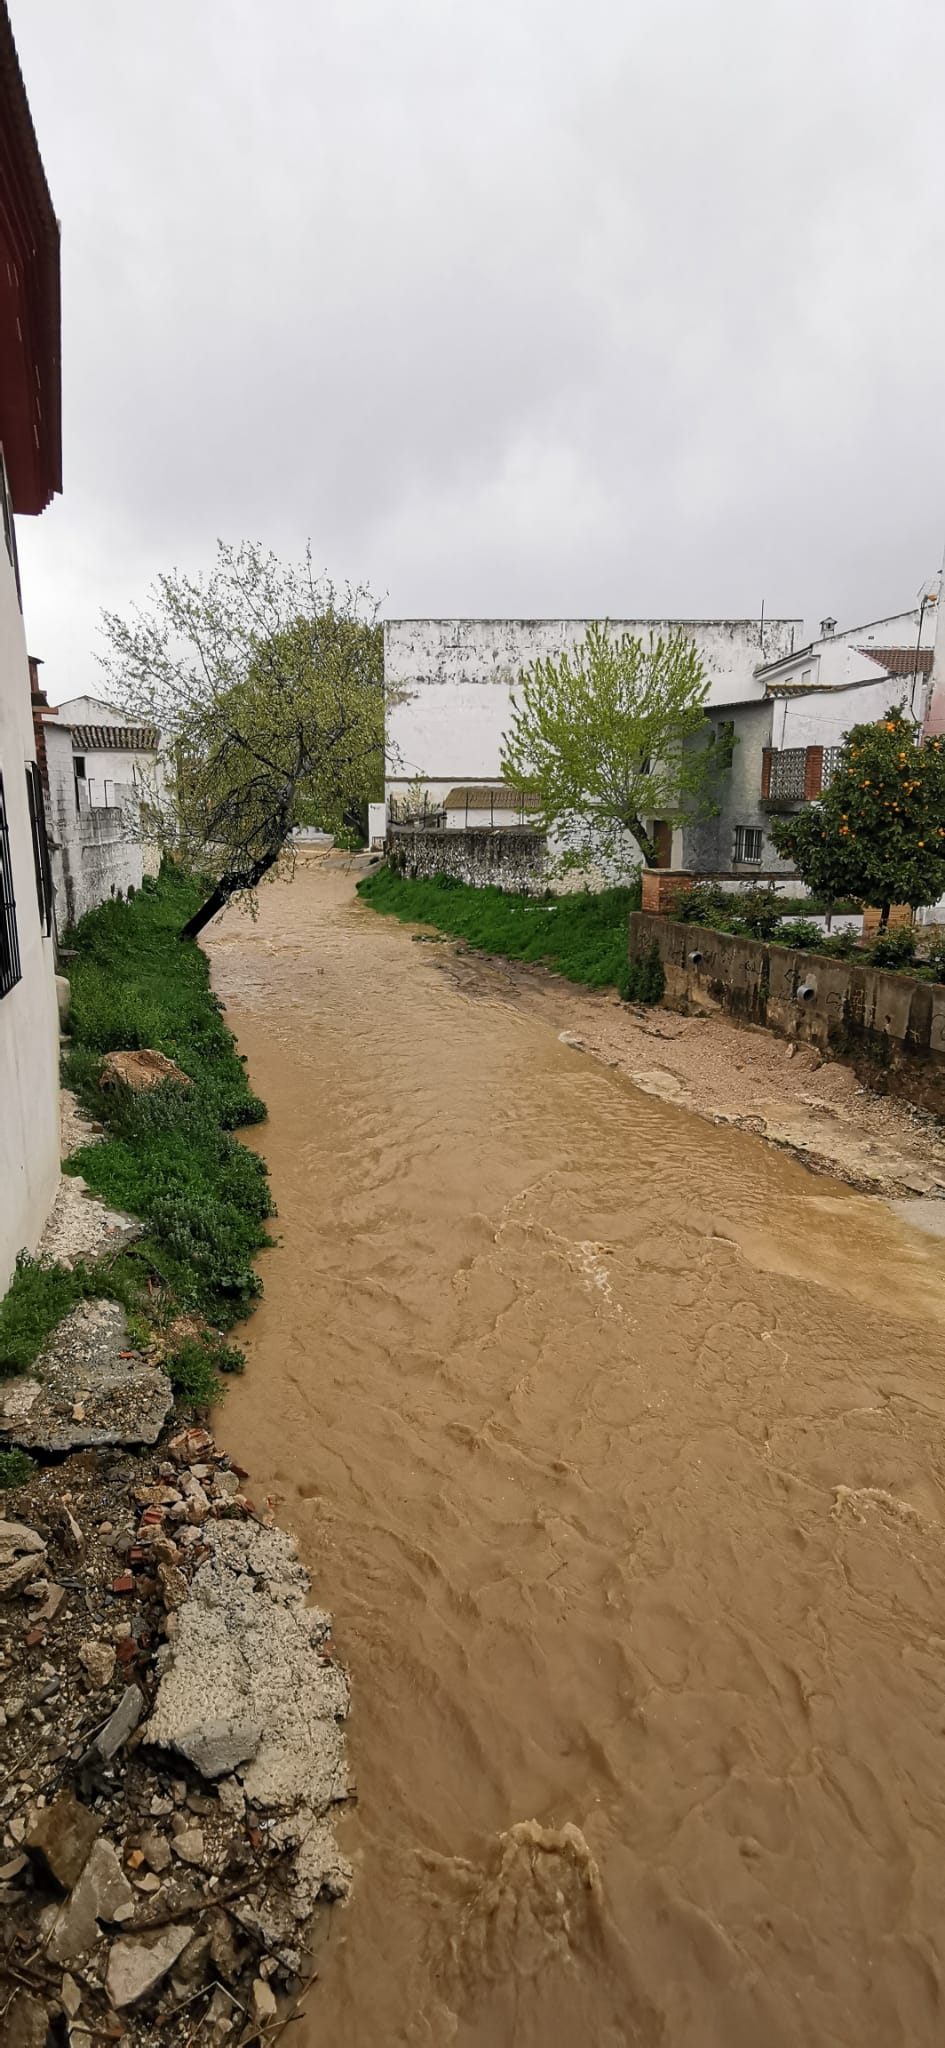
pixel 821 719
pixel 449 683
pixel 29 1025
pixel 95 853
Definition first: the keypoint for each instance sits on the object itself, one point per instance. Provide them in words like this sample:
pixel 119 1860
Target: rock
pixel 140 1070
pixel 137 1965
pixel 126 1400
pixel 26 2024
pixel 123 1722
pixel 62 1835
pixel 102 1893
pixel 12 1868
pixel 264 2004
pixel 16 1540
pixel 157 1851
pixel 188 1447
pixel 226 1485
pixel 71 1996
pixel 21 1556
pixel 99 1661
pixel 52 1603
pixel 63 999
pixel 232 1797
pixel 189 1846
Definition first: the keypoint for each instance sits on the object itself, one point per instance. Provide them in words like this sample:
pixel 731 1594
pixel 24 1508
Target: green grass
pixel 39 1296
pixel 168 1155
pixel 581 936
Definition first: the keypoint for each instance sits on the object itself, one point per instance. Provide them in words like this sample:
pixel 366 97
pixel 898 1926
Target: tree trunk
pixel 226 887
pixel 883 916
pixel 644 843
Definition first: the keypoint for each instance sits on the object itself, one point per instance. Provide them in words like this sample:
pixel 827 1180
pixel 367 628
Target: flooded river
pixel 616 1444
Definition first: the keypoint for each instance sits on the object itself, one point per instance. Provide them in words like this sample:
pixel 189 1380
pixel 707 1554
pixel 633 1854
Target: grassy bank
pixel 583 937
pixel 168 1155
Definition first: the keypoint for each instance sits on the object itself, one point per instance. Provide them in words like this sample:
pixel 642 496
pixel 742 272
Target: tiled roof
pixel 497 798
pixel 901 661
pixel 125 739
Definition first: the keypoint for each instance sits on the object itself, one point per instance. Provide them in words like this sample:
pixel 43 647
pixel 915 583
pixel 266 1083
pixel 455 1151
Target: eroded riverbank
pixel 615 1442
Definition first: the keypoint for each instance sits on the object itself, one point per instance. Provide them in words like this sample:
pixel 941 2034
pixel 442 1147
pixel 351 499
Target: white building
pixel 102 776
pixel 30 474
pixel 449 684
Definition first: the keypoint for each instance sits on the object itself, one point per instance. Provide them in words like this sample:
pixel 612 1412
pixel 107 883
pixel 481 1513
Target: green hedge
pixel 582 936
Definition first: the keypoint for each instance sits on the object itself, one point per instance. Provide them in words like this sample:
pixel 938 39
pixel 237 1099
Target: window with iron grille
pixel 788 773
pixel 9 942
pixel 749 845
pixel 44 888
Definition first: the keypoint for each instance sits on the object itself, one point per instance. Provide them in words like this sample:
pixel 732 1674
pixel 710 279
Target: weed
pixel 893 948
pixel 192 1373
pixel 15 1468
pixel 581 936
pixel 644 978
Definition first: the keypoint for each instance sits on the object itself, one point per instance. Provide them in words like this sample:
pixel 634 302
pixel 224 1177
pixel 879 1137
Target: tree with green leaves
pixel 877 832
pixel 266 683
pixel 603 736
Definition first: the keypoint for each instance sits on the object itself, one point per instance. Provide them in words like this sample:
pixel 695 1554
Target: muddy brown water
pixel 616 1445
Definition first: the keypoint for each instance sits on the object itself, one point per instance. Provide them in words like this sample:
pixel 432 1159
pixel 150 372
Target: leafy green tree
pixel 267 685
pixel 877 832
pixel 603 736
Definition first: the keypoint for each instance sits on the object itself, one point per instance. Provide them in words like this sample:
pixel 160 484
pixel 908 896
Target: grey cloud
pixel 512 306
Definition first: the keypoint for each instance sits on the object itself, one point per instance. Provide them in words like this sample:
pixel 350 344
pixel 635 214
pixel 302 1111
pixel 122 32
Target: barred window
pixel 44 887
pixel 749 845
pixel 9 941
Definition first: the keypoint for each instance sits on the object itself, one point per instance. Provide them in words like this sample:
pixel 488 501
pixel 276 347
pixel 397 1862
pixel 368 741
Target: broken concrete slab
pixel 63 1835
pixel 137 1966
pixel 102 1893
pixel 86 1388
pixel 79 1226
pixel 246 1686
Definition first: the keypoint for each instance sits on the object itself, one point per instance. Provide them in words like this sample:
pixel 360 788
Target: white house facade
pixel 30 473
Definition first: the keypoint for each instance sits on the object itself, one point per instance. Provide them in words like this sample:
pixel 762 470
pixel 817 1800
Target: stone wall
pixel 514 859
pixel 890 1027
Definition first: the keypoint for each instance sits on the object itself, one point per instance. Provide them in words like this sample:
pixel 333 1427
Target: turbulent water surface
pixel 616 1445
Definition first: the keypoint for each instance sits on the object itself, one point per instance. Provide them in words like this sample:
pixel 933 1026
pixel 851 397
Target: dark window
pixel 9 943
pixel 9 530
pixel 44 891
pixel 749 845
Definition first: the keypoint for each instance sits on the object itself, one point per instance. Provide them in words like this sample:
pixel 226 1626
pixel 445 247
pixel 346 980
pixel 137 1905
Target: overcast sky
pixel 514 306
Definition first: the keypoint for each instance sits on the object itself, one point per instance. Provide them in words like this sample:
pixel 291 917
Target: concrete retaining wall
pixel 890 1027
pixel 515 859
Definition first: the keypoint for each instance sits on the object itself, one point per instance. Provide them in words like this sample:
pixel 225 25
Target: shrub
pixel 191 1373
pixel 893 948
pixel 15 1468
pixel 644 978
pixel 802 933
pixel 705 903
pixel 757 911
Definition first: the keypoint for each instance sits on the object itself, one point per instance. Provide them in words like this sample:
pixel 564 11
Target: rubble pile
pixel 170 1746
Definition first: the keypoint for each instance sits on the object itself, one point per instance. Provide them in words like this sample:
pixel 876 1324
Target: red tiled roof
pixel 901 661
pixel 126 739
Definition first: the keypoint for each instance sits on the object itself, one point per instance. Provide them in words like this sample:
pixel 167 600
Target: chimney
pixel 827 627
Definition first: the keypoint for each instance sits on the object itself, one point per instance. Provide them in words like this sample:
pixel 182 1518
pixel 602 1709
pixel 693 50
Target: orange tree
pixel 877 832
